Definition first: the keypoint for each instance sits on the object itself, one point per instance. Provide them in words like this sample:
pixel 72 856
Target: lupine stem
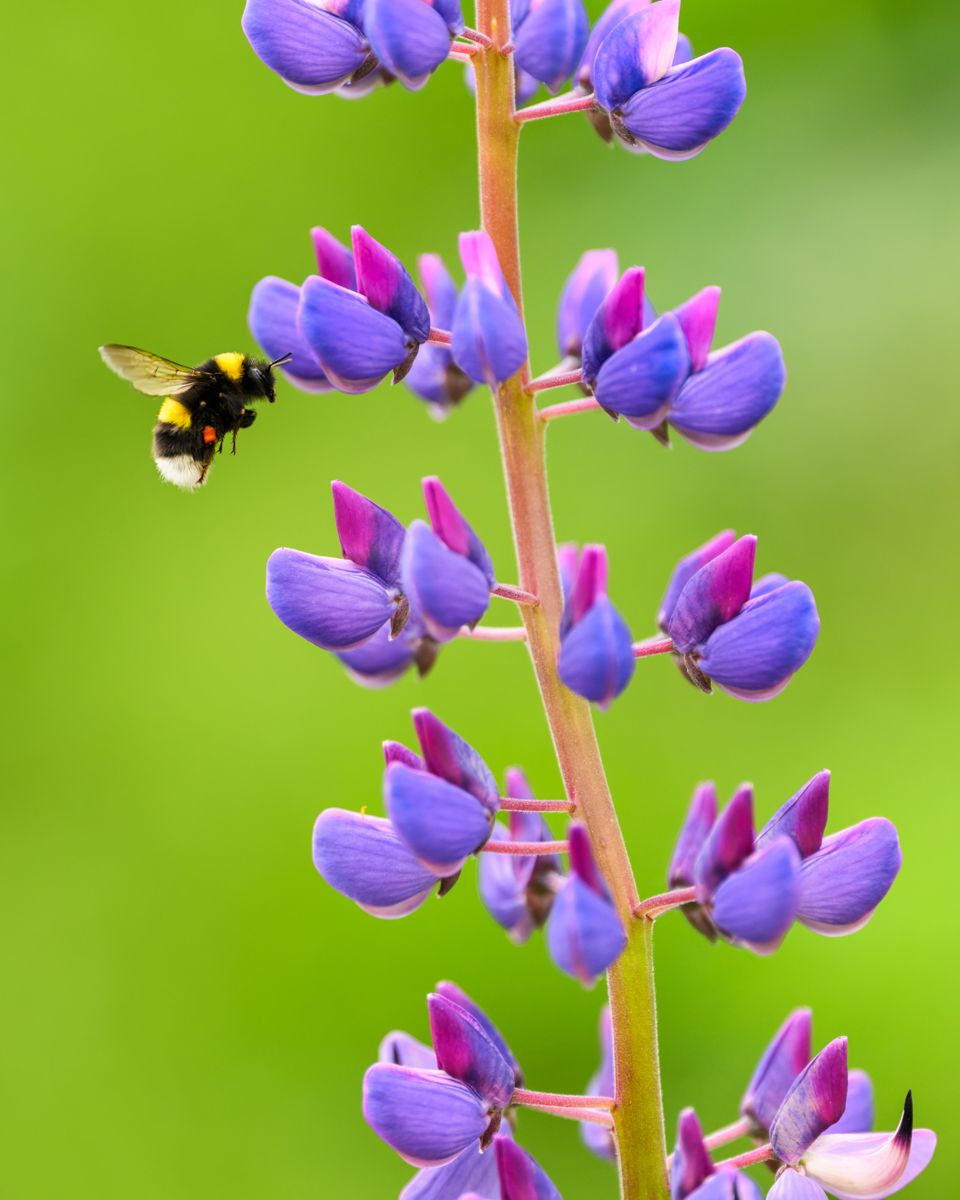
pixel 440 337
pixel 512 804
pixel 749 1159
pixel 507 591
pixel 494 633
pixel 654 645
pixel 558 379
pixel 638 1116
pixel 560 1100
pixel 729 1133
pixel 555 108
pixel 593 1116
pixel 569 408
pixel 527 849
pixel 656 906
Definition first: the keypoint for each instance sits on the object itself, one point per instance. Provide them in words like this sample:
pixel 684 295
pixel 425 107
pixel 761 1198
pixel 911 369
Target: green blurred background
pixel 188 1010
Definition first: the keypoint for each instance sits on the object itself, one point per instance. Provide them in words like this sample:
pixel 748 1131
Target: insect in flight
pixel 201 404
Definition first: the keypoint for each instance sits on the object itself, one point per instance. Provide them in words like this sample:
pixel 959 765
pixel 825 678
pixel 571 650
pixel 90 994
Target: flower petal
pixel 521 1177
pixel 676 117
pixel 870 1166
pixel 589 584
pixel 583 293
pixel 640 381
pixel 442 824
pixel 332 603
pixel 687 567
pixel 451 992
pixel 615 322
pixel 466 1052
pixel 489 341
pixel 612 15
pixel 405 1051
pixel 446 589
pixel 426 1116
pixel 273 322
pixel 754 655
pixel 439 288
pixel 698 320
pixel 727 1185
pixel 471 1172
pixel 858 1114
pixel 850 874
pixel 636 53
pixel 355 344
pixel 363 859
pixel 384 282
pixel 307 47
pixel 728 844
pixel 584 933
pixel 383 658
pixel 756 906
pixel 450 526
pixel 714 595
pixel 782 1062
pixel 803 817
pixel 409 37
pixel 691 1158
pixel 503 891
pixel 334 260
pixel 448 755
pixel 596 657
pixel 815 1101
pixel 549 43
pixel 696 828
pixel 369 535
pixel 598 1140
pixel 720 405
pixel 791 1185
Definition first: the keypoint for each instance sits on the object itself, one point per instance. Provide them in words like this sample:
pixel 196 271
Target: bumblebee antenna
pixel 282 360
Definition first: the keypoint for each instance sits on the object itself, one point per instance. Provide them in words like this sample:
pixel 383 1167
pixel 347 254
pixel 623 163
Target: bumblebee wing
pixel 149 373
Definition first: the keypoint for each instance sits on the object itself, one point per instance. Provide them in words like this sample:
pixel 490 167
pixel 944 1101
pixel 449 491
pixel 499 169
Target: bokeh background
pixel 187 1009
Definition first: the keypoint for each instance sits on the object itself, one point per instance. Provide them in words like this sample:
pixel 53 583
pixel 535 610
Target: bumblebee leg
pixel 247 418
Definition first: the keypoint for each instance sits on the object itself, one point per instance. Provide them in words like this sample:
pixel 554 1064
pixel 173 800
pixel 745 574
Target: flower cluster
pixel 749 888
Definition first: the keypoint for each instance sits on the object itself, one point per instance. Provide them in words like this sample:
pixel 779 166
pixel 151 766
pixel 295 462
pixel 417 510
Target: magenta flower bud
pixel 489 341
pixel 334 260
pixel 450 991
pixel 803 818
pixel 363 858
pixel 434 376
pixel 549 37
pixel 584 934
pixel 449 757
pixel 411 38
pixel 728 844
pixel 782 1061
pixel 596 648
pixel 815 1101
pixel 692 1163
pixel 714 595
pixel 696 828
pixel 616 321
pixel 688 567
pixel 521 1177
pixel 583 293
pixel 670 111
pixel 313 46
pixel 465 1051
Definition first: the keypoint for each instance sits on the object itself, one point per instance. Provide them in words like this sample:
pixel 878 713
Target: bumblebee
pixel 201 406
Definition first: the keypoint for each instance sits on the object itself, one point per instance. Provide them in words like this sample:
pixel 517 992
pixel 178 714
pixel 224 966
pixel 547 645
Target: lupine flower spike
pixel 747 637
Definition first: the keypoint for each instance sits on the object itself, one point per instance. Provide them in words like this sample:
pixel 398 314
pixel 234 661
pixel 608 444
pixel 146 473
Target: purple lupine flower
pixel 781 1063
pixel 549 37
pixel 587 287
pixel 585 935
pixel 521 1176
pixel 446 571
pixel 489 340
pixel 443 807
pixel 518 889
pixel 670 111
pixel 432 1116
pixel 411 38
pixel 360 336
pixel 850 1166
pixel 273 316
pixel 748 638
pixel 340 603
pixel 634 369
pixel 434 376
pixel 596 648
pixel 693 1173
pixel 842 877
pixel 384 658
pixel 616 12
pixel 315 46
pixel 747 896
pixel 365 860
pixel 730 390
pixel 725 1184
pixel 596 1138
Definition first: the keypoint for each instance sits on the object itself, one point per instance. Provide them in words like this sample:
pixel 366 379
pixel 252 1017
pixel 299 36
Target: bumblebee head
pixel 259 377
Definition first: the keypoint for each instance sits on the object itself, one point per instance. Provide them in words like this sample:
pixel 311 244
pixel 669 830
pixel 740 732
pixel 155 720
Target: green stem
pixel 638 1114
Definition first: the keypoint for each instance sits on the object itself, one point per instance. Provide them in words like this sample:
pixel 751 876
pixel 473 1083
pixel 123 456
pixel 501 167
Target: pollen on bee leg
pixel 209 435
